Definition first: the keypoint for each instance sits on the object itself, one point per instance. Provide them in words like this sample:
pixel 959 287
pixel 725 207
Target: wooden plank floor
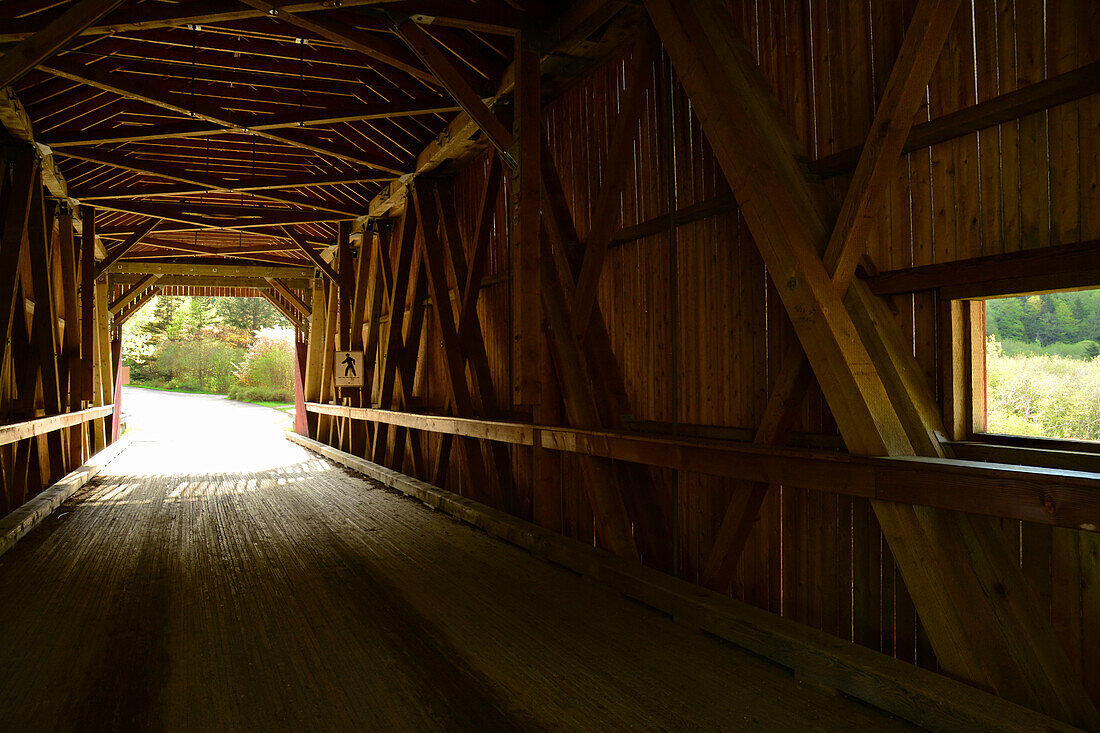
pixel 205 584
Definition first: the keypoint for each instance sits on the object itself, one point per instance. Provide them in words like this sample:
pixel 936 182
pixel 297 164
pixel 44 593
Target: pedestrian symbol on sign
pixel 347 371
pixel 350 365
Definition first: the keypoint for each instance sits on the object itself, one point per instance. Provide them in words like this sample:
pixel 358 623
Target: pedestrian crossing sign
pixel 347 369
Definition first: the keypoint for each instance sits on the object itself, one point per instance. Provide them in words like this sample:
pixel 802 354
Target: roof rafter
pixel 51 38
pixel 355 113
pixel 206 183
pixel 141 92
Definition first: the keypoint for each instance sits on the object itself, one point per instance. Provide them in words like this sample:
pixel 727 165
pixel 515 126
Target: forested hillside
pixel 1048 320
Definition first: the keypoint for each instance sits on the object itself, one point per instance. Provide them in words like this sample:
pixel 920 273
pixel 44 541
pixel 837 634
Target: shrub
pixel 269 363
pixel 1042 395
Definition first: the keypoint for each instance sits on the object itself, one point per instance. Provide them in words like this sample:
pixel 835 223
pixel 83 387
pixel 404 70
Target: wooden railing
pixel 1055 497
pixel 13 432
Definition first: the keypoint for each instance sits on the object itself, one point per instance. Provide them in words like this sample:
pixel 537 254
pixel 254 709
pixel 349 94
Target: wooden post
pixel 116 397
pixel 301 352
pixel 526 300
pixel 315 348
pixel 70 382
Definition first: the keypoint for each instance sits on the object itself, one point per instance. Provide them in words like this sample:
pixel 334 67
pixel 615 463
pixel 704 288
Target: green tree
pixel 164 310
pixel 192 319
pixel 1005 319
pixel 247 314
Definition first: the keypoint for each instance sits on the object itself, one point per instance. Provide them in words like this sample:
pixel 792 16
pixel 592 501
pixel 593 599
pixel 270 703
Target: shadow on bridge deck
pixel 218 577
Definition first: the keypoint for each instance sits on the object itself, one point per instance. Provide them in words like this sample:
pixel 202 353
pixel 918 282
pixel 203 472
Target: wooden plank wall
pixel 698 329
pixel 56 354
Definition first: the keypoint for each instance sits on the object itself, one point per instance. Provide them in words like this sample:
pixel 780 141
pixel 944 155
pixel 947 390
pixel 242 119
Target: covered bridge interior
pixel 683 297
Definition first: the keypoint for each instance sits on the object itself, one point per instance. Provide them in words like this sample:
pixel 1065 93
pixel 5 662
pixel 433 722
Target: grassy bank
pixel 1042 395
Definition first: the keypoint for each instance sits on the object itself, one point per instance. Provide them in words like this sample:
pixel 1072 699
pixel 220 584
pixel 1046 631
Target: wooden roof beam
pixel 456 85
pixel 371 46
pixel 199 250
pixel 574 26
pixel 119 251
pixel 156 15
pixel 212 281
pixel 312 254
pixel 131 294
pixel 207 269
pixel 479 19
pixel 350 179
pixel 312 118
pixel 141 92
pixel 51 38
pixel 218 216
pixel 288 313
pixel 204 183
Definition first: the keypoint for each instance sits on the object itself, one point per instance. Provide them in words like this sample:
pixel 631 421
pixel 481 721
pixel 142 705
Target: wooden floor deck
pixel 192 586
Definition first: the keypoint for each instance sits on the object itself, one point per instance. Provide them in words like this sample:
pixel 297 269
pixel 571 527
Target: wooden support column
pixel 116 391
pixel 364 285
pixel 39 239
pixel 980 615
pixel 372 317
pixel 312 383
pixel 70 380
pixel 409 371
pixel 102 372
pixel 346 269
pixel 87 305
pixel 526 300
pixel 328 353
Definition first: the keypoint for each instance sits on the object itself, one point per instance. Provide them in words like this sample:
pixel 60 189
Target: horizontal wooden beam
pixel 203 281
pixel 13 432
pixel 1064 267
pixel 1013 105
pixel 209 270
pixel 1040 495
